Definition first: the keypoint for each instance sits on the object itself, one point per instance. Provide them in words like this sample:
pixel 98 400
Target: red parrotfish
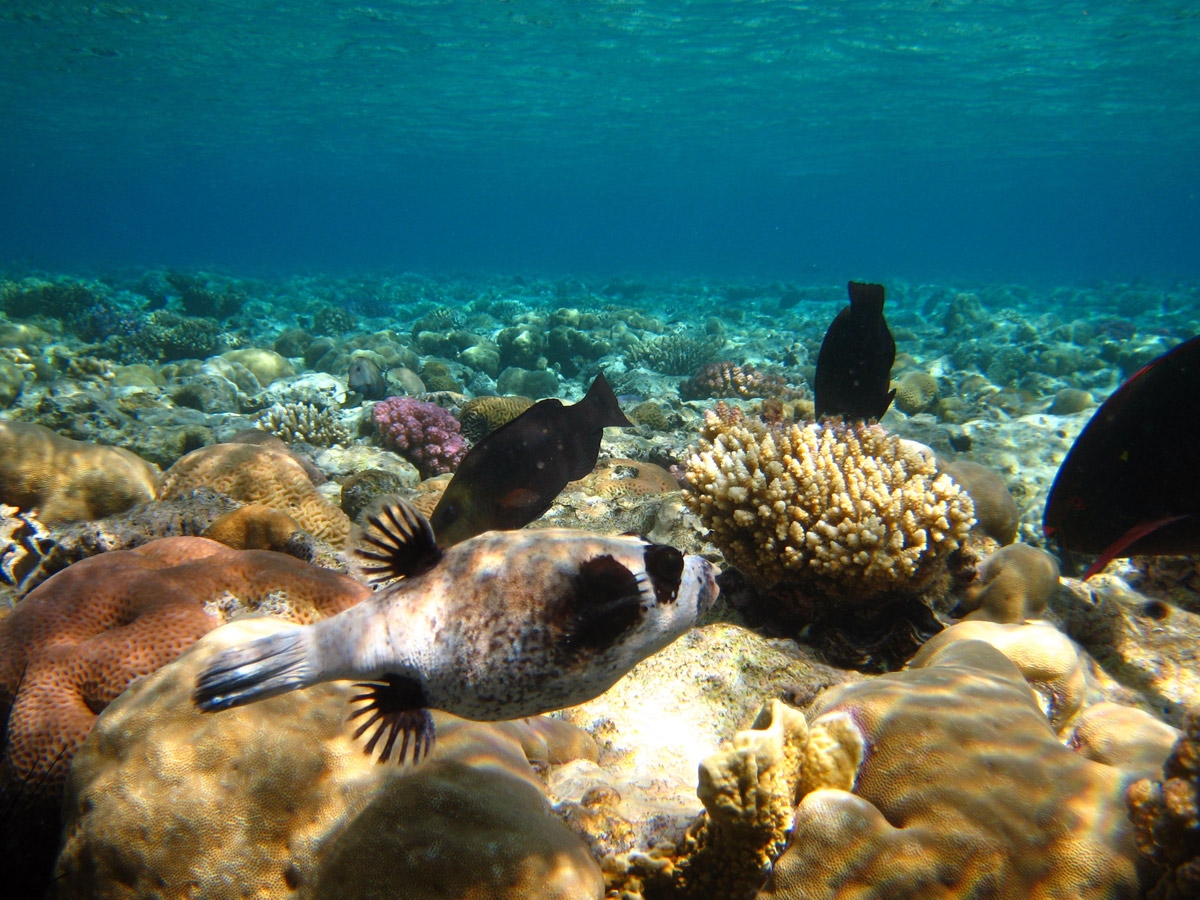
pixel 1130 484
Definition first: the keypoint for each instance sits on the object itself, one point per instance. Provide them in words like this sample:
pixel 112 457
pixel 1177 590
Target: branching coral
pixel 306 422
pixel 724 379
pixel 847 508
pixel 675 354
pixel 425 434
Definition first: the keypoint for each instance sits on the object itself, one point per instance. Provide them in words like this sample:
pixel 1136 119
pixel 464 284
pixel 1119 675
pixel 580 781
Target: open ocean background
pixel 1036 142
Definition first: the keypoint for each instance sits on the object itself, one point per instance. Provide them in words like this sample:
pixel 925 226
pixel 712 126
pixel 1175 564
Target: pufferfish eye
pixel 664 565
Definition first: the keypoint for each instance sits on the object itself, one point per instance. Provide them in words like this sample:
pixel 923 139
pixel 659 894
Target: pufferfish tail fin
pixel 257 669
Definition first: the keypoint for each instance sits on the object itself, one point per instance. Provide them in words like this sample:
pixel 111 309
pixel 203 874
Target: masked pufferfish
pixel 505 625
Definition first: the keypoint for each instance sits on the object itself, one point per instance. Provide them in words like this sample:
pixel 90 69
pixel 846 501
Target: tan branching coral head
pixel 846 508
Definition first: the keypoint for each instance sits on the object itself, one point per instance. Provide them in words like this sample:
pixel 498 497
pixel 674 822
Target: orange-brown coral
pixel 258 474
pixel 81 637
pixel 66 480
pixel 617 477
pixel 1166 816
pixel 253 527
pixel 1015 583
pixel 726 380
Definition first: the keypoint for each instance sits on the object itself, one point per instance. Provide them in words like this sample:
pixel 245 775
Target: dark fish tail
pixel 258 669
pixel 608 409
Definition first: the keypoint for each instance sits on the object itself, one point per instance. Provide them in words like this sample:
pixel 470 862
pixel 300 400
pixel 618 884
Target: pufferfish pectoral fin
pixel 399 542
pixel 396 708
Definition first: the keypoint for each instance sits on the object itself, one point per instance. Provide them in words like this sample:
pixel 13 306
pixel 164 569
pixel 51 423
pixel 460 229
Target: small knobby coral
pixel 844 508
pixel 423 433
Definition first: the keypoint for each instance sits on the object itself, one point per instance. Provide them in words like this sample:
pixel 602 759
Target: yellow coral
pixel 848 507
pixel 66 480
pixel 278 800
pixel 966 792
pixel 257 474
pixel 748 789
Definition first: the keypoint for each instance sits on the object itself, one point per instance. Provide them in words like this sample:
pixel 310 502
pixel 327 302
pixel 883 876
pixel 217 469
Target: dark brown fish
pixel 365 378
pixel 513 475
pixel 1131 483
pixel 854 366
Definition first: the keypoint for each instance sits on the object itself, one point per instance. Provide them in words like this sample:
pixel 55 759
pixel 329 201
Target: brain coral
pixel 964 791
pixel 844 508
pixel 278 801
pixel 258 474
pixel 66 480
pixel 482 415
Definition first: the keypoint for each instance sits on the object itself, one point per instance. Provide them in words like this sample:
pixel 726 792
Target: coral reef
pixel 266 365
pixel 1166 815
pixel 996 511
pixel 167 336
pixel 675 354
pixel 152 807
pixel 1015 583
pixel 482 415
pixel 850 510
pixel 66 480
pixel 725 380
pixel 748 790
pixel 916 392
pixel 423 433
pixel 258 474
pixel 306 422
pixel 254 527
pixel 77 641
pixel 951 802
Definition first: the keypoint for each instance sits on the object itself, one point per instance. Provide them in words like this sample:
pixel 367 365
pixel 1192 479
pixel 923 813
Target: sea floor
pixel 163 364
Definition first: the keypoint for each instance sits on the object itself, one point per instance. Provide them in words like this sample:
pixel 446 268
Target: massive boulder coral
pixel 258 474
pixel 845 525
pixel 156 805
pixel 66 480
pixel 963 791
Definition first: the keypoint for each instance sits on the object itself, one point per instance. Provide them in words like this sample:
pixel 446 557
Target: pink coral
pixel 423 433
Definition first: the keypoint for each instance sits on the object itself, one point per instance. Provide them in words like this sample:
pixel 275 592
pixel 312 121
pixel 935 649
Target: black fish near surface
pixel 854 367
pixel 1130 484
pixel 513 475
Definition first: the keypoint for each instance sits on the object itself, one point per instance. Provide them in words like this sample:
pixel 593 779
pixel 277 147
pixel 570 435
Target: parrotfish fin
pixel 1134 534
pixel 607 603
pixel 255 670
pixel 400 541
pixel 396 707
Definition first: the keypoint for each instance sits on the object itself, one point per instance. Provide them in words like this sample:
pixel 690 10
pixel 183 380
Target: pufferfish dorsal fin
pixel 398 542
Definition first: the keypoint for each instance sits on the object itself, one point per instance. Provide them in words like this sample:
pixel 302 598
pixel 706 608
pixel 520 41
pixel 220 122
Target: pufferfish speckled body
pixel 505 625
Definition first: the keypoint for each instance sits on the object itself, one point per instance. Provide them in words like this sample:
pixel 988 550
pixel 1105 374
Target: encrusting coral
pixel 258 474
pixel 66 480
pixel 156 804
pixel 1166 816
pixel 844 508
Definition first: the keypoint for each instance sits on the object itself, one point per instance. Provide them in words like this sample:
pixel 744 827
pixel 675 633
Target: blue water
pixel 1040 141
